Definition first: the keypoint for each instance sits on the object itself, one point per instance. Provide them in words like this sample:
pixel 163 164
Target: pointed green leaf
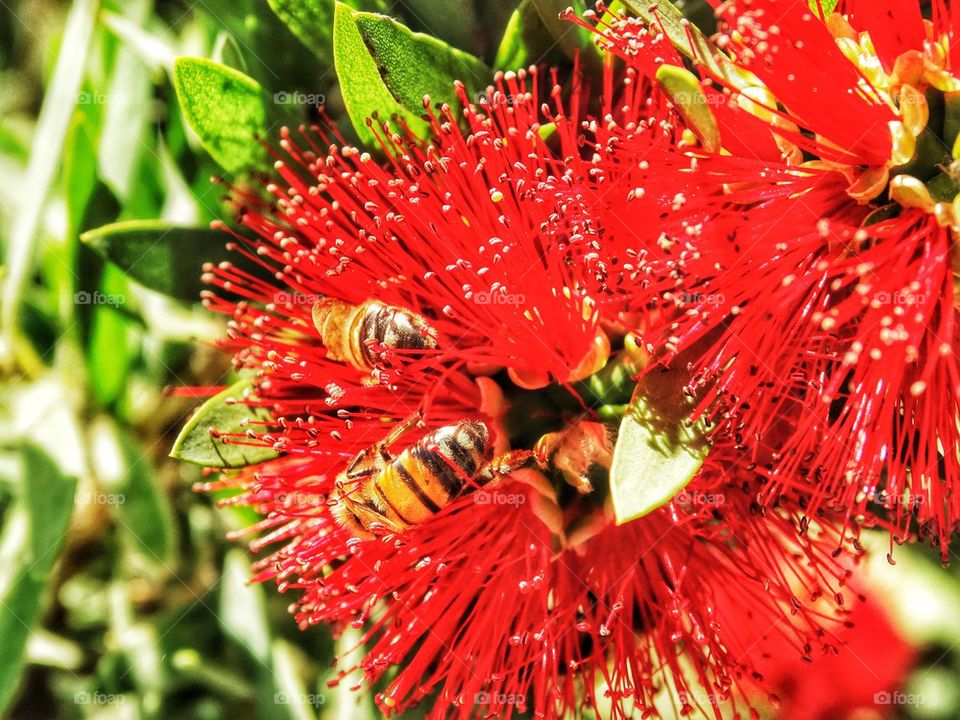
pixel 454 21
pixel 223 413
pixel 663 15
pixel 658 449
pixel 364 93
pixel 134 496
pixel 951 120
pixel 227 52
pixel 312 21
pixel 570 37
pixel 414 64
pixel 162 257
pixel 243 611
pixel 684 90
pixel 112 345
pixel 127 116
pixel 62 94
pixel 36 526
pixel 827 5
pixel 79 171
pixel 386 69
pixel 225 108
pixel 526 40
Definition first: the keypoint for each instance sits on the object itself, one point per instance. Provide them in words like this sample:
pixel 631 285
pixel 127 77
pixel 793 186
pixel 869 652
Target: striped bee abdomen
pixel 359 334
pixel 428 476
pixel 378 493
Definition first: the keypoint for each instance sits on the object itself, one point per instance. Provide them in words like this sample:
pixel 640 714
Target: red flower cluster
pixel 809 257
pixel 432 318
pixel 862 679
pixel 526 596
pixel 489 609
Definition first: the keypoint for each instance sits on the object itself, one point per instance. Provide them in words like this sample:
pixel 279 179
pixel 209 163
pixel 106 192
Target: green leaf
pixel 453 21
pixel 127 114
pixel 243 617
pixel 162 257
pixel 414 64
pixel 312 21
pixel 78 182
pixel 386 69
pixel 58 103
pixel 289 687
pixel 79 171
pixel 342 702
pixel 683 34
pixel 133 493
pixel 526 40
pixel 225 108
pixel 227 52
pixel 658 449
pixel 153 47
pixel 684 90
pixel 243 612
pixel 225 414
pixel 827 5
pixel 571 38
pixel 35 530
pixel 111 349
pixel 364 93
pixel 951 121
pixel 274 56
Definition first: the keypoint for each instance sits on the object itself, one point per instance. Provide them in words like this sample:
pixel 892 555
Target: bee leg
pixel 352 489
pixel 575 475
pixel 362 465
pixel 545 447
pixel 345 515
pixel 370 380
pixel 374 522
pixel 503 465
pixel 363 521
pixel 409 423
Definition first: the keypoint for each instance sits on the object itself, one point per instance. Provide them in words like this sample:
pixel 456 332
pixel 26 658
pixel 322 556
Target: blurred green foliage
pixel 119 597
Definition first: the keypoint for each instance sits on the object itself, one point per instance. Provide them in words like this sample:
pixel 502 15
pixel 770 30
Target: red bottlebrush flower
pixel 488 610
pixel 813 261
pixel 448 284
pixel 469 221
pixel 868 666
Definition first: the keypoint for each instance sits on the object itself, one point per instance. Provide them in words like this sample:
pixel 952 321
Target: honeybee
pixel 575 451
pixel 381 493
pixel 361 334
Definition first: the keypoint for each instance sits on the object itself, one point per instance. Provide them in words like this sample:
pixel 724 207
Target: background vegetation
pixel 119 596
